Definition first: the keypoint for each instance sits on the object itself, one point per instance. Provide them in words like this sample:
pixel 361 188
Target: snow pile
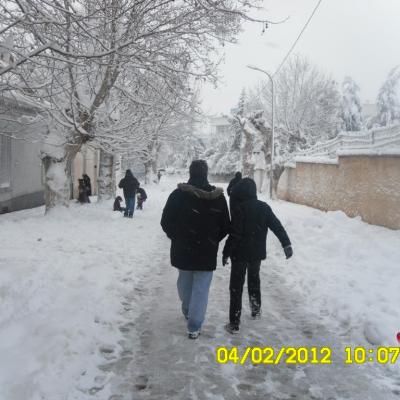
pixel 63 278
pixel 347 271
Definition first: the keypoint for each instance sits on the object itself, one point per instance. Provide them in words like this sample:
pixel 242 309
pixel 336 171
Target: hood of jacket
pixel 210 194
pixel 244 190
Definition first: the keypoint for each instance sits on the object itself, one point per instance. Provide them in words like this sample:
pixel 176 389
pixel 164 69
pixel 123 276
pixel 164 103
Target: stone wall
pixel 364 185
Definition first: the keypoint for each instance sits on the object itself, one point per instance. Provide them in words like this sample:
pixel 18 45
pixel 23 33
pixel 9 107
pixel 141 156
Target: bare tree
pixel 307 105
pixel 71 56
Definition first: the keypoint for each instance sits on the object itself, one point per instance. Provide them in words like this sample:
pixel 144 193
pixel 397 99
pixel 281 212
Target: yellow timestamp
pixel 269 355
pixel 304 355
pixel 380 355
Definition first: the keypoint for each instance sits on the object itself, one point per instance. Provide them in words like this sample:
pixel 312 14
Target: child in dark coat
pixel 246 247
pixel 117 204
pixel 141 198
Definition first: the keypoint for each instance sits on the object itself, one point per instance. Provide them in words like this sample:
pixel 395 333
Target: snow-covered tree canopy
pixel 351 106
pixel 76 59
pixel 306 104
pixel 388 99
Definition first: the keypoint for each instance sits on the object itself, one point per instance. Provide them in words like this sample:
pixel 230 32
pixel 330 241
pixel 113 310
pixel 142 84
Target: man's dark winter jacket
pixel 248 232
pixel 129 184
pixel 196 219
pixel 232 183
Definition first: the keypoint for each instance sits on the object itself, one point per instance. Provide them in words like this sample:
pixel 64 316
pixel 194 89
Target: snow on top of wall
pixel 316 160
pixel 381 141
pixel 369 152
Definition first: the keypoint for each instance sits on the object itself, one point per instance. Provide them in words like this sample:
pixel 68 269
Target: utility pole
pixel 271 179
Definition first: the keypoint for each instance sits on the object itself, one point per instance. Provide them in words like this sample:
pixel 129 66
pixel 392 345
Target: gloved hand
pixel 288 251
pixel 224 260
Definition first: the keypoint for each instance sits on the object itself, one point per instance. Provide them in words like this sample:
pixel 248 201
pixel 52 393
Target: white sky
pixel 359 38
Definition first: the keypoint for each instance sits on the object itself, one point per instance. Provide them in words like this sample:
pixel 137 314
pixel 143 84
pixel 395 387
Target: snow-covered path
pixel 89 310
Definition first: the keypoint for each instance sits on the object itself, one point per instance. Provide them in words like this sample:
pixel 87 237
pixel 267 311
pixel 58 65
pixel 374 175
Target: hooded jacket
pixel 233 182
pixel 196 219
pixel 250 223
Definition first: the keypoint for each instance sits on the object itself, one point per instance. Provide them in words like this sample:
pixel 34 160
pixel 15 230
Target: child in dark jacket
pixel 246 247
pixel 141 198
pixel 117 204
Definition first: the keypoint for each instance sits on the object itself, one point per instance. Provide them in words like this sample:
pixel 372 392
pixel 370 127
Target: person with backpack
pixel 129 184
pixel 196 219
pixel 246 247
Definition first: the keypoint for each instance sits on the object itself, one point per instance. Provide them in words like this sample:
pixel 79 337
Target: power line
pixel 298 37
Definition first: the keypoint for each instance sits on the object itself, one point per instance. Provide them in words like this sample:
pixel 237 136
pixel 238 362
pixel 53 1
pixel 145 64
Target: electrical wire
pixel 298 37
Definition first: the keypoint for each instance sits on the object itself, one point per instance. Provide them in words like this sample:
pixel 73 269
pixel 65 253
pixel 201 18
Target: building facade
pixel 21 169
pixel 21 173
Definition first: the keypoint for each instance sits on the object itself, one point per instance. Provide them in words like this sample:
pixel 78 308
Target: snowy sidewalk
pixel 89 309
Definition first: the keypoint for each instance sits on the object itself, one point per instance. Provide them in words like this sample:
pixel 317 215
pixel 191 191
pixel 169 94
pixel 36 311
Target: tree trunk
pixel 57 183
pixel 278 171
pixel 149 175
pixel 106 181
pixel 247 153
pixel 151 165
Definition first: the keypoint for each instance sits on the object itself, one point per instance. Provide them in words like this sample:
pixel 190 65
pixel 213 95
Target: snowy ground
pixel 89 310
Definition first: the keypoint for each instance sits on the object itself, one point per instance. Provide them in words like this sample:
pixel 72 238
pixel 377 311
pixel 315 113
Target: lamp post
pixel 272 127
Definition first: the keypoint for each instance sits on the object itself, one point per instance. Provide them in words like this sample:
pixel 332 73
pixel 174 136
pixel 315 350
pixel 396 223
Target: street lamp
pixel 272 127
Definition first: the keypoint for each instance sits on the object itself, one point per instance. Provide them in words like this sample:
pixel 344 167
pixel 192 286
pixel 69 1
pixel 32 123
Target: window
pixel 5 162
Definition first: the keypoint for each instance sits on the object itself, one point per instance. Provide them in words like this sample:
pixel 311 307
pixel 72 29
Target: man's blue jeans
pixel 193 288
pixel 130 206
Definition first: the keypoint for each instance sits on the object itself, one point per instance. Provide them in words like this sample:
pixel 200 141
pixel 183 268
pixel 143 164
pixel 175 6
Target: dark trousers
pixel 140 204
pixel 238 275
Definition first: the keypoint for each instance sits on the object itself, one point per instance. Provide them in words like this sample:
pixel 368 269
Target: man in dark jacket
pixel 196 219
pixel 232 183
pixel 246 247
pixel 129 184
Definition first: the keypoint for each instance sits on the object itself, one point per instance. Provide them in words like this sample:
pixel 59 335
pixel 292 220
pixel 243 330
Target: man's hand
pixel 224 260
pixel 288 251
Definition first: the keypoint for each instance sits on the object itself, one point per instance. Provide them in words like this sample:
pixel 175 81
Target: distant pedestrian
pixel 87 183
pixel 246 247
pixel 141 198
pixel 129 184
pixel 117 204
pixel 196 219
pixel 83 196
pixel 159 176
pixel 232 183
